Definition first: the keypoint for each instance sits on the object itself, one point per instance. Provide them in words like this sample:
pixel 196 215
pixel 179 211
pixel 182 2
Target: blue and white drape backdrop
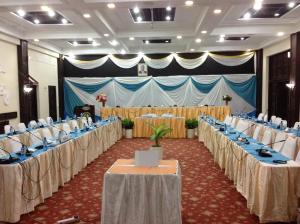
pixel 163 91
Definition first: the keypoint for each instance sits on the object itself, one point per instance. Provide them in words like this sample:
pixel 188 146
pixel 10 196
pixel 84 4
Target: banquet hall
pixel 149 112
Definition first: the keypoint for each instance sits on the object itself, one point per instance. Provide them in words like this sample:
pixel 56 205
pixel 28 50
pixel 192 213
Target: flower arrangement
pixel 227 99
pixel 102 97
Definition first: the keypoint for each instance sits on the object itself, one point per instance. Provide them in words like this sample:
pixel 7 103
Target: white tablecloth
pixel 139 195
pixel 272 191
pixel 25 185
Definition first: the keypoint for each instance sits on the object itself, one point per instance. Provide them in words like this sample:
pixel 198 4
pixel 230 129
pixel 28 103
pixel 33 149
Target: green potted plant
pixel 128 126
pixel 227 99
pixel 191 125
pixel 159 132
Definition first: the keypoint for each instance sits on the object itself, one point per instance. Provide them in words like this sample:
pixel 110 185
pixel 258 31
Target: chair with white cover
pixel 256 132
pixel 32 124
pixel 49 120
pixel 84 123
pixel 284 123
pixel 233 122
pixel 242 126
pixel 14 146
pixel 90 121
pixel 7 129
pixel 42 121
pixel 277 121
pixel 21 127
pixel 35 138
pixel 260 117
pixel 55 131
pixel 66 128
pixel 273 118
pixel 266 118
pixel 228 120
pixel 281 136
pixel 267 138
pixel 289 148
pixel 297 125
pixel 46 133
pixel 74 124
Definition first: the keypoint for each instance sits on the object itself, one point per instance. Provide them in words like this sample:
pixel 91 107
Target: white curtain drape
pixel 232 60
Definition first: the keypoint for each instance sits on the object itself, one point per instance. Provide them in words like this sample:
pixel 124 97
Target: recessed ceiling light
pixel 248 50
pixel 276 14
pixel 192 49
pixel 189 3
pixel 147 42
pixel 242 38
pixel 217 11
pixel 131 38
pixel 86 15
pixel 123 51
pixel 247 15
pixel 90 39
pixel 21 12
pixel 168 18
pixel 114 42
pixel 106 35
pixel 136 10
pixel 168 8
pixel 64 21
pixel 222 35
pixel 51 13
pixel 36 40
pixel 95 44
pixel 280 34
pixel 36 21
pixel 72 56
pixel 179 37
pixel 139 19
pixel 204 32
pixel 111 5
pixel 198 40
pixel 166 41
pixel 257 5
pixel 141 53
pixel 75 43
pixel 221 39
pixel 292 4
pixel 45 8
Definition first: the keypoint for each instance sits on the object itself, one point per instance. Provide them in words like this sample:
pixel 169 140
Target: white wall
pixel 43 67
pixel 267 52
pixel 9 79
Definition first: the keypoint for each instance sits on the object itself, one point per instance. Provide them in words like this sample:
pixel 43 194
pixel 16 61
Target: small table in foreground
pixel 142 195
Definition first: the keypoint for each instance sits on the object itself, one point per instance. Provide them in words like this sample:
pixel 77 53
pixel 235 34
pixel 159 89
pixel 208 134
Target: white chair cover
pixel 7 129
pixel 55 131
pixel 256 133
pixel 21 127
pixel 266 118
pixel 242 126
pixel 260 117
pixel 36 138
pixel 289 148
pixel 14 146
pixel 32 124
pixel 273 118
pixel 43 122
pixel 66 128
pixel 284 123
pixel 74 124
pixel 267 138
pixel 46 133
pixel 228 120
pixel 296 125
pixel 277 121
pixel 90 120
pixel 233 122
pixel 277 146
pixel 84 122
pixel 49 120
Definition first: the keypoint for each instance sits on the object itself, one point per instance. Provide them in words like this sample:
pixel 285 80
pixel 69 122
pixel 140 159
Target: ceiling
pixel 189 23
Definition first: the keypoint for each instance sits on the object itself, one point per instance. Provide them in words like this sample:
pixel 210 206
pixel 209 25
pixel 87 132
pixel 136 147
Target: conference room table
pixel 219 112
pixel 143 195
pixel 28 182
pixel 142 126
pixel 272 190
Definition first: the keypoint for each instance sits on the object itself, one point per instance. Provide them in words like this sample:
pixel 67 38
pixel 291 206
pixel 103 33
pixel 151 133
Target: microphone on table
pixel 44 141
pixel 266 153
pixel 10 159
pixel 24 148
pixel 60 135
pixel 239 135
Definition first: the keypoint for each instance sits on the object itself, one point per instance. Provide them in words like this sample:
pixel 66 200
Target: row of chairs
pixel 276 120
pixel 288 147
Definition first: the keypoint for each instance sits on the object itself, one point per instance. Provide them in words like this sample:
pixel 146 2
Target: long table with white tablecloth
pixel 272 191
pixel 25 184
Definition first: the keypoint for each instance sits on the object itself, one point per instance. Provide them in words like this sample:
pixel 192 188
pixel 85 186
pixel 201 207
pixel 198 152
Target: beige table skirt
pixel 271 191
pixel 142 195
pixel 29 183
pixel 142 128
pixel 219 112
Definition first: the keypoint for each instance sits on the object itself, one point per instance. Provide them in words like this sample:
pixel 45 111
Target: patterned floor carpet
pixel 208 196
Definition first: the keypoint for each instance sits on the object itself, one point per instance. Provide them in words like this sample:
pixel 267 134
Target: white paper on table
pixel 146 158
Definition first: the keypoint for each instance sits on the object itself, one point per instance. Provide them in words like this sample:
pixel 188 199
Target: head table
pixel 27 183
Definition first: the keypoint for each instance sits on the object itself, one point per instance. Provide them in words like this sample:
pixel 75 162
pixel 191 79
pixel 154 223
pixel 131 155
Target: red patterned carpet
pixel 208 196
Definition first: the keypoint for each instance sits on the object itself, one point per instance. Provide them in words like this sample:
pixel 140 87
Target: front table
pixel 143 195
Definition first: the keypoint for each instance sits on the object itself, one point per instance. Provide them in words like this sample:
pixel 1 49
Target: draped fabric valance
pixel 163 62
pixel 163 91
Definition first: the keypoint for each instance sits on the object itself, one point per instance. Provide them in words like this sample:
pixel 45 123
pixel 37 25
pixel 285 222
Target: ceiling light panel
pixel 157 41
pixel 43 17
pixel 155 15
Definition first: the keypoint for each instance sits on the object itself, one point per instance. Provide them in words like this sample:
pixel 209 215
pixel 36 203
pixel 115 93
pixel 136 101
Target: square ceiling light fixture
pixel 42 17
pixel 147 15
